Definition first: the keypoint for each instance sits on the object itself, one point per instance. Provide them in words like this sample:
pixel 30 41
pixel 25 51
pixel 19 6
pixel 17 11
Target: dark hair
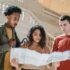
pixel 65 17
pixel 12 9
pixel 42 42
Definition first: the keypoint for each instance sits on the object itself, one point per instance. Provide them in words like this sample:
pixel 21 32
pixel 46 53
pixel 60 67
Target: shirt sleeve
pixel 55 45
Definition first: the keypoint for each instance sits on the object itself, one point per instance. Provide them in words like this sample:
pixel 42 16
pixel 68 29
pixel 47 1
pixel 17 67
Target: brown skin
pixel 36 36
pixel 13 19
pixel 12 42
pixel 35 46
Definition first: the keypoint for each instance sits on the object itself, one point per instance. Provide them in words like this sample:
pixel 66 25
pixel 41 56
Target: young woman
pixel 37 42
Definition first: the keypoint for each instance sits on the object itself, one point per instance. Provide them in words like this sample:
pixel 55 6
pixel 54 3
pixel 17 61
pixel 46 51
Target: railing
pixel 51 13
pixel 50 38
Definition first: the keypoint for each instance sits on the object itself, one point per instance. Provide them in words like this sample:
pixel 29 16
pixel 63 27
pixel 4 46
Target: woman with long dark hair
pixel 36 41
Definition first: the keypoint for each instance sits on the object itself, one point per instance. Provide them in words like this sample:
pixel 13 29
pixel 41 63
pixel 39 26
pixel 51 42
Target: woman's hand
pixel 14 63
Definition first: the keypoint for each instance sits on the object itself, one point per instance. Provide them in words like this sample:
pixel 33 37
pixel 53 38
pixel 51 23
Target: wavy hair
pixel 42 42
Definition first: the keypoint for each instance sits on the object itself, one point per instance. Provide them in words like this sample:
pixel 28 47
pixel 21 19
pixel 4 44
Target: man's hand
pixel 56 64
pixel 12 42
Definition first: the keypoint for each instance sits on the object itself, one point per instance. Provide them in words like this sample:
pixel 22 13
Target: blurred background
pixel 42 12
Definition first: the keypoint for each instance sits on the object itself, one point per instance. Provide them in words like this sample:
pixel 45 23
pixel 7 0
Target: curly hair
pixel 42 42
pixel 12 9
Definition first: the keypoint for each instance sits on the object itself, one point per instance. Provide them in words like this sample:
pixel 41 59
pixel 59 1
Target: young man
pixel 62 42
pixel 8 36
